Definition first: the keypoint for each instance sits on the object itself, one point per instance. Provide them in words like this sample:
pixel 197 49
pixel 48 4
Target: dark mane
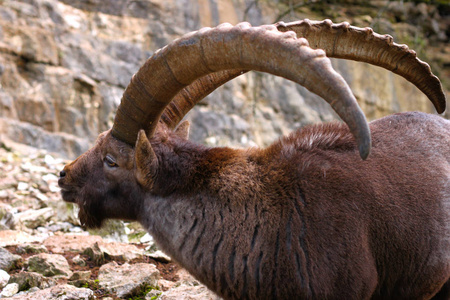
pixel 333 136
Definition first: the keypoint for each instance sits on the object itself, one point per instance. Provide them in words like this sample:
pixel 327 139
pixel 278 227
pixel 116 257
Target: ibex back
pixel 304 218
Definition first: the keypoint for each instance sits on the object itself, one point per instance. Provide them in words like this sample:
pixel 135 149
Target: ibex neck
pixel 197 225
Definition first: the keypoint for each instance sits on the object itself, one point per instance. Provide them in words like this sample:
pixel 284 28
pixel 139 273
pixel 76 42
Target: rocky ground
pixel 45 254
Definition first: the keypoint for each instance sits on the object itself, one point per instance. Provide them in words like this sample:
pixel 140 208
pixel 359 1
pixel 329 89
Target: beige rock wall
pixel 65 64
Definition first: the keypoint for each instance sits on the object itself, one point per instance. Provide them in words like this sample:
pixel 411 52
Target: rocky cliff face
pixel 64 65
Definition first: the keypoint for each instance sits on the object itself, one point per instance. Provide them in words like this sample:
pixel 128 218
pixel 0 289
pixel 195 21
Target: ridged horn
pixel 225 47
pixel 362 44
pixel 188 97
pixel 338 41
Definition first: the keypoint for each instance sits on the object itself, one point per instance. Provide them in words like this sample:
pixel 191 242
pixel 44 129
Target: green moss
pixel 136 236
pixel 144 291
pixel 4 146
pixel 91 284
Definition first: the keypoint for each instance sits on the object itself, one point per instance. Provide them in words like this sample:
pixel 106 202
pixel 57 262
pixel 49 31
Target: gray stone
pixel 101 251
pixel 71 242
pixel 8 183
pixel 49 265
pixel 81 279
pixel 29 291
pixel 35 218
pixel 8 15
pixel 60 226
pixel 25 9
pixel 37 45
pixel 188 288
pixel 66 212
pixel 31 249
pixel 4 278
pixel 15 237
pixel 159 256
pixel 95 254
pixel 59 292
pixel 127 280
pixel 153 294
pixel 9 290
pixel 146 239
pixel 121 251
pixel 112 230
pixel 187 292
pixel 27 280
pixel 8 261
pixel 79 261
pixel 80 275
pixel 7 220
pixel 87 283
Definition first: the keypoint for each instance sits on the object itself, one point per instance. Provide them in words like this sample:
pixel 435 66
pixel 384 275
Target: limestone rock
pixel 81 279
pixel 127 280
pixel 79 261
pixel 112 230
pixel 186 292
pixel 71 242
pixel 9 290
pixel 49 265
pixel 188 288
pixel 4 278
pixel 6 218
pixel 15 237
pixel 35 218
pixel 59 292
pixel 8 260
pixel 95 254
pixel 27 280
pixel 80 275
pixel 121 251
pixel 31 249
pixel 102 251
pixel 159 256
pixel 153 294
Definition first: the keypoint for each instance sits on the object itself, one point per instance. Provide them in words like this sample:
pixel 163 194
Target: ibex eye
pixel 110 161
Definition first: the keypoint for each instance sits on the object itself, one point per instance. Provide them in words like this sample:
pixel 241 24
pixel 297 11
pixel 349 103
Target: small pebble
pixel 10 290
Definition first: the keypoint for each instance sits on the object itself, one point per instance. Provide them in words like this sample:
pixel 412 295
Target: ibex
pixel 304 218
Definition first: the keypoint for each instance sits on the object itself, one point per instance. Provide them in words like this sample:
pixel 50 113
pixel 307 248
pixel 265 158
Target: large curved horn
pixel 362 44
pixel 226 47
pixel 188 97
pixel 338 41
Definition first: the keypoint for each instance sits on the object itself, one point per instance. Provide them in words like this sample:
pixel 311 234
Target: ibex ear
pixel 145 159
pixel 183 130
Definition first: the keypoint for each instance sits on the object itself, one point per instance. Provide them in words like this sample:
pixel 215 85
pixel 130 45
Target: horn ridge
pixel 363 44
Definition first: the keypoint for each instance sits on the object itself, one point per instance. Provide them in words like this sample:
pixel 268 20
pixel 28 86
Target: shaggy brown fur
pixel 302 219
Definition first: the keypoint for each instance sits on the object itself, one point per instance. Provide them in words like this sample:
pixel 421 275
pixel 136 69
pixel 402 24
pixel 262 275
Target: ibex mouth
pixel 68 195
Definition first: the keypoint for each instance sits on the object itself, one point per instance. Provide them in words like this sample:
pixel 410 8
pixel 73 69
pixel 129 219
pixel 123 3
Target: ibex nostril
pixel 62 174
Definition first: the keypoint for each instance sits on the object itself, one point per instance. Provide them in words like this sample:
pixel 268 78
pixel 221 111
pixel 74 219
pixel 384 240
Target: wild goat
pixel 305 218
